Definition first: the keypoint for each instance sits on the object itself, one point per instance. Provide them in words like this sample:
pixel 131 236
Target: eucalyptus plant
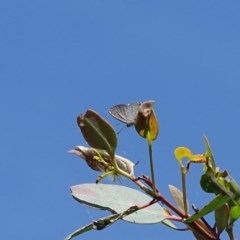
pixel 145 204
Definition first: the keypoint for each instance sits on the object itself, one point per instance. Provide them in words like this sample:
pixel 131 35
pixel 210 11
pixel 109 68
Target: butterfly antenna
pixel 136 163
pixel 121 129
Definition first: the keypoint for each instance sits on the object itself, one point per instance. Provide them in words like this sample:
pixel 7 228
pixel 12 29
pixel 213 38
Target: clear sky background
pixel 60 58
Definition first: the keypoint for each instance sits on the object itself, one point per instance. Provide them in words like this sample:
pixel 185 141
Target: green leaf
pixel 217 184
pixel 178 197
pixel 97 132
pixel 234 214
pixel 221 218
pixel 208 185
pixel 96 225
pixel 217 202
pixel 235 189
pixel 80 231
pixel 116 199
pixel 209 153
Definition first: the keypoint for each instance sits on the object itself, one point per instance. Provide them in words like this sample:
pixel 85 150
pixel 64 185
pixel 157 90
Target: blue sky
pixel 60 58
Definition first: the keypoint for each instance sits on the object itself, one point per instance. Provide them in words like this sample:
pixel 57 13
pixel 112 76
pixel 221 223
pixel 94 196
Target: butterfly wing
pixel 125 113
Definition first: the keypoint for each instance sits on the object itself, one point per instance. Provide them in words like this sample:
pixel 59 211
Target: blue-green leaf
pixel 177 196
pixel 117 199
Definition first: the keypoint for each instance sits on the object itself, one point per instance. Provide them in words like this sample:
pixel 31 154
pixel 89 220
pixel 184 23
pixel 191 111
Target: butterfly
pixel 128 113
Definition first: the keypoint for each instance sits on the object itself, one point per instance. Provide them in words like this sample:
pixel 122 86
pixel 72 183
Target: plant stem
pixel 151 166
pixel 184 190
pixel 199 228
